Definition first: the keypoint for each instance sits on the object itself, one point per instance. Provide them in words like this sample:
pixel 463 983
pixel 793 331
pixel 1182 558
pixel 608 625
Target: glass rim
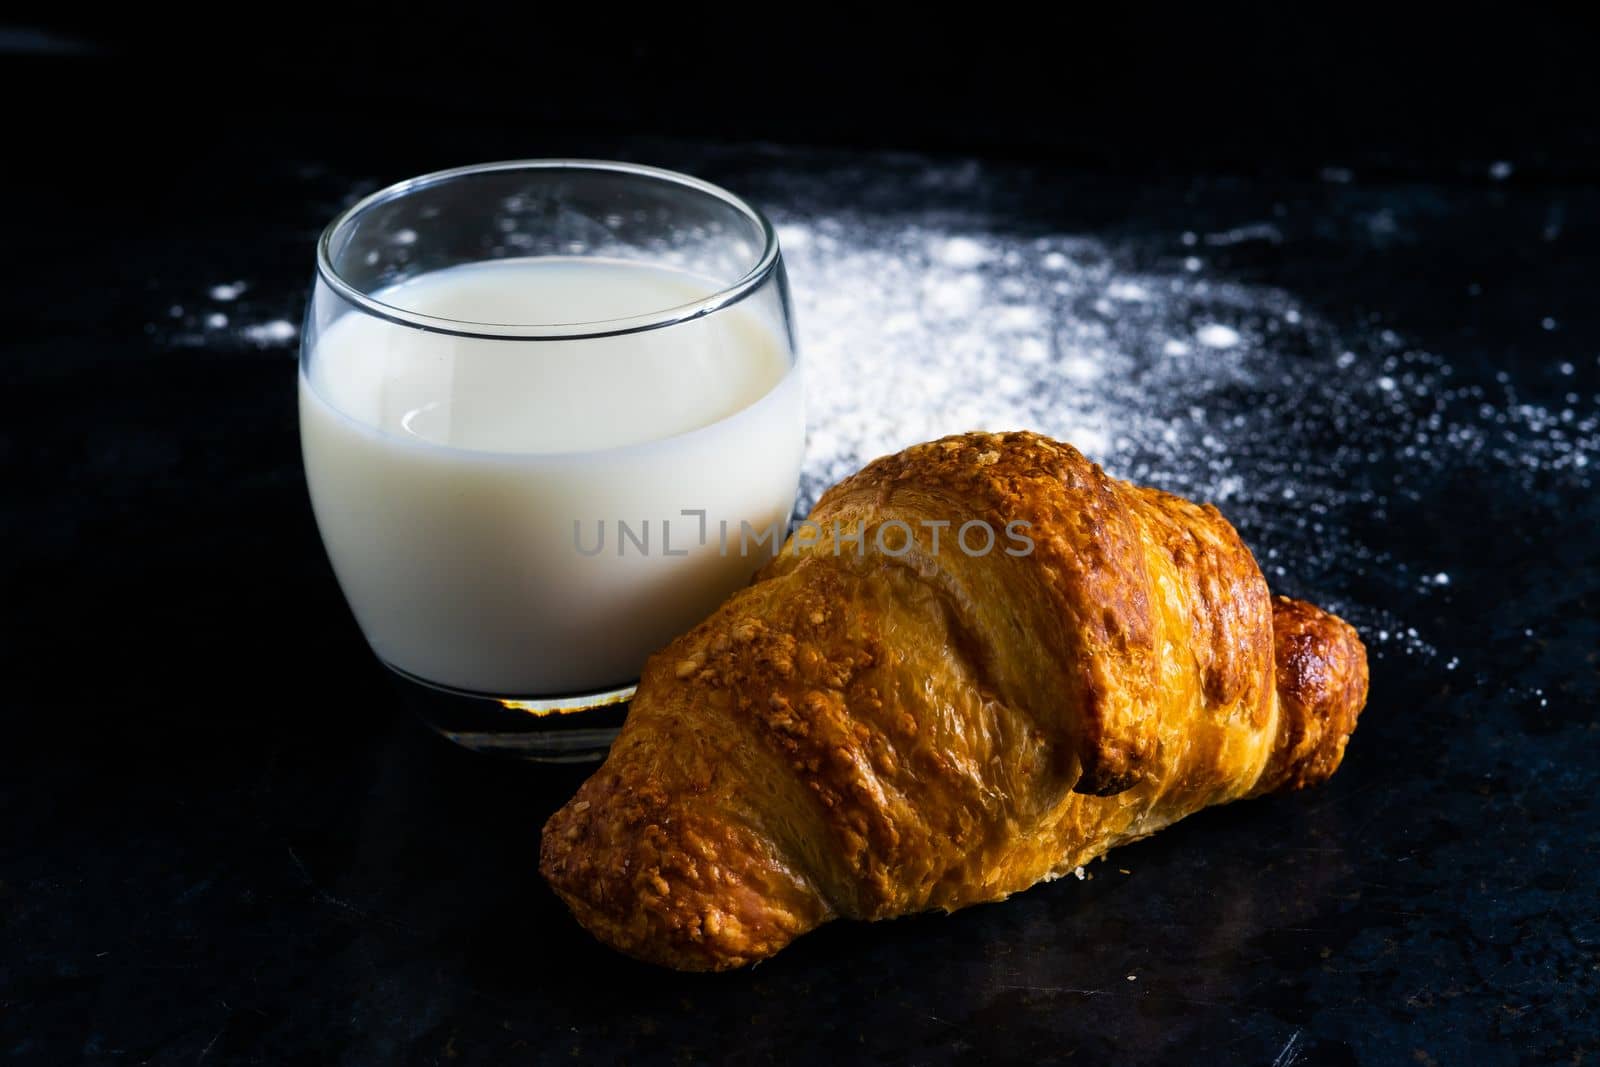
pixel 724 297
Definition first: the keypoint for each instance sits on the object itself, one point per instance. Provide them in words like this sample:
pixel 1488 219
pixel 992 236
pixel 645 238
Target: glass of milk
pixel 551 416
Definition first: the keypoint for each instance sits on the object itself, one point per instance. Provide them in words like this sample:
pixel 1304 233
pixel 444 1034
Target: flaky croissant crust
pixel 870 733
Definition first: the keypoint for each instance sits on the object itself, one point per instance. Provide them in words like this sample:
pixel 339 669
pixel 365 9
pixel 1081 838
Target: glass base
pixel 565 729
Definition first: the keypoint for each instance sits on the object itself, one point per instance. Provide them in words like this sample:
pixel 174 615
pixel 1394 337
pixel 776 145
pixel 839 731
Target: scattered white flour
pixel 1257 231
pixel 792 236
pixel 248 324
pixel 228 330
pixel 1216 335
pixel 1151 363
pixel 276 332
pixel 1169 376
pixel 962 252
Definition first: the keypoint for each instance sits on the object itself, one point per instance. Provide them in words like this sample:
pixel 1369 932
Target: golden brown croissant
pixel 875 728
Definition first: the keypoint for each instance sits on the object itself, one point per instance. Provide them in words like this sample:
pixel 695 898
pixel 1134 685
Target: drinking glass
pixel 535 397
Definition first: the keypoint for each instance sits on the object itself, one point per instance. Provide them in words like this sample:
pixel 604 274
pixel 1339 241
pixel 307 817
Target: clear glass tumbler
pixel 551 416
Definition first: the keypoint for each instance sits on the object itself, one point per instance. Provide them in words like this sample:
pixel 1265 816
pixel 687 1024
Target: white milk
pixel 447 473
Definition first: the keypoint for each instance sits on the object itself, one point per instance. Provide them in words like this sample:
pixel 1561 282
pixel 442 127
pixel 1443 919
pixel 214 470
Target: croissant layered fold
pixel 877 726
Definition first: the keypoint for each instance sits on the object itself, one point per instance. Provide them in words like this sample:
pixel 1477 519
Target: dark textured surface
pixel 224 842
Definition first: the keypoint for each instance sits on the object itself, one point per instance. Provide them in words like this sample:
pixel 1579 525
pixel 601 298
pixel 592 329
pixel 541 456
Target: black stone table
pixel 223 841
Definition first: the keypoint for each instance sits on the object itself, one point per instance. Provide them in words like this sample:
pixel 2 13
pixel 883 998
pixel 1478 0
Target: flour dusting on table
pixel 1238 395
pixel 1168 373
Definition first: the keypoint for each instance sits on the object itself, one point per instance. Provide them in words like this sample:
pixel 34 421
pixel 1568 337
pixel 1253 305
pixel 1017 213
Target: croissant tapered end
pixel 1321 674
pixel 671 881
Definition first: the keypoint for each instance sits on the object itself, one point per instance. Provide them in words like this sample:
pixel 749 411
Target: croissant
pixel 876 727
